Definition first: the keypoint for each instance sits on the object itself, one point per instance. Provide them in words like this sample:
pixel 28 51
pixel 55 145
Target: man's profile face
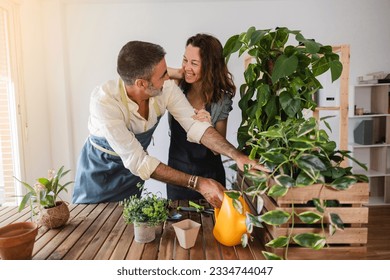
pixel 159 76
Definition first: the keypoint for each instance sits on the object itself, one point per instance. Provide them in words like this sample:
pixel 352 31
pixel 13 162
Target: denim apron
pixel 101 175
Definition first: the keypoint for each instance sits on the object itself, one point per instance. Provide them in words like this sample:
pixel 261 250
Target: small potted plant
pixel 145 212
pixel 43 199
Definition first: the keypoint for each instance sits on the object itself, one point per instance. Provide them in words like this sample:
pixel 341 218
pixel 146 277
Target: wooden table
pixel 98 232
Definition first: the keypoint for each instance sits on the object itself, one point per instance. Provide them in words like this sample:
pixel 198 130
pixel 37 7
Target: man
pixel 123 117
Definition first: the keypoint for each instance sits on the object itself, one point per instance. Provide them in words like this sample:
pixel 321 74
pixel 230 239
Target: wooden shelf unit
pixel 375 153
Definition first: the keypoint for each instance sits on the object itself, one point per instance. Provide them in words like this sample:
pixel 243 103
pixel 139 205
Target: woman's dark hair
pixel 216 78
pixel 136 60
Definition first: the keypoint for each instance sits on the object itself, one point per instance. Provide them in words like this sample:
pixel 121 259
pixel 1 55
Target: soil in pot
pixel 17 241
pixel 54 217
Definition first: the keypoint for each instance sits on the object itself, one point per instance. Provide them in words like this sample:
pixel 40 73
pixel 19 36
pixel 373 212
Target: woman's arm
pixel 175 73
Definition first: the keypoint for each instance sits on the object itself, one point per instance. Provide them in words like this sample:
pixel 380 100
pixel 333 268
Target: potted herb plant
pixel 145 212
pixel 280 82
pixel 43 199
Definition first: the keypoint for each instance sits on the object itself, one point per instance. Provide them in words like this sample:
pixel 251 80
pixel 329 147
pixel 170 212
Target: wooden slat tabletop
pixel 98 231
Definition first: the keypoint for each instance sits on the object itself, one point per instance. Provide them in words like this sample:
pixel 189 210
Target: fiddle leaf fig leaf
pixel 310 240
pixel 271 256
pixel 279 242
pixel 275 217
pixel 284 66
pixel 336 221
pixel 309 217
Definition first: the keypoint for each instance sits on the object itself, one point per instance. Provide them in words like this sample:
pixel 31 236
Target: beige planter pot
pixel 186 232
pixel 144 233
pixel 17 241
pixel 54 217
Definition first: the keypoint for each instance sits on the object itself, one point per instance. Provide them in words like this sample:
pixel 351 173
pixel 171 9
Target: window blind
pixel 7 186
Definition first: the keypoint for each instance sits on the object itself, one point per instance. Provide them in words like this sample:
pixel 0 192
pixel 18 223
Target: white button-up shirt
pixel 115 117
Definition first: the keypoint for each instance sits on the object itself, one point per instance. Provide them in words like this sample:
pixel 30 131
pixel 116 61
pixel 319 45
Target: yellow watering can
pixel 229 223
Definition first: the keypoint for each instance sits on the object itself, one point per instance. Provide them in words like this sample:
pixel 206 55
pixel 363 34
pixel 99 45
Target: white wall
pixel 71 46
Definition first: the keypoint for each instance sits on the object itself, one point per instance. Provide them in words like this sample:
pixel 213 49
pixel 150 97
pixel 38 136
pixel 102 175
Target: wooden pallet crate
pixel 348 243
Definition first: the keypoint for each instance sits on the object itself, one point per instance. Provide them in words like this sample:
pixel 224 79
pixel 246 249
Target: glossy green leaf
pixel 284 66
pixel 275 217
pixel 336 221
pixel 336 68
pixel 285 181
pixel 310 240
pixel 277 191
pixel 343 183
pixel 271 256
pixel 279 242
pixel 309 217
pixel 319 205
pixel 311 162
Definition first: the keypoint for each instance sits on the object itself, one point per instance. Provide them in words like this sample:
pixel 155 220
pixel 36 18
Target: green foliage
pixel 149 208
pixel 281 80
pixel 279 85
pixel 45 191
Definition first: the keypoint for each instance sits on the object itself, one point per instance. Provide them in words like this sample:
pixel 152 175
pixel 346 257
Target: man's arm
pixel 216 142
pixel 209 188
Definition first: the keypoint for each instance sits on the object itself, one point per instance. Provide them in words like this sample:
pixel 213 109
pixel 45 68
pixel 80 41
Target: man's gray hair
pixel 137 59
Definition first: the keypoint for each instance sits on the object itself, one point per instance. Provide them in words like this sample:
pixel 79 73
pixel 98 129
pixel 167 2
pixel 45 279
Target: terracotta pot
pixel 54 217
pixel 229 223
pixel 144 233
pixel 17 241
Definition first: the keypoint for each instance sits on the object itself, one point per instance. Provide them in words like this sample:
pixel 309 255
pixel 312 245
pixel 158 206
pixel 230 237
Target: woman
pixel 208 86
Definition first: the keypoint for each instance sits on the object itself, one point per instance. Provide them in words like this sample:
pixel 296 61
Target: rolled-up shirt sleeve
pixel 182 111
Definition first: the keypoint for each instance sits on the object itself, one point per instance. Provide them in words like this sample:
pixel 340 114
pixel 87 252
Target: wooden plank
pixel 151 249
pixel 85 219
pixel 167 242
pixel 347 236
pixel 211 245
pixel 124 244
pixel 4 210
pixel 197 252
pixel 358 193
pixel 51 239
pixel 14 216
pixel 135 252
pixel 102 234
pixel 90 230
pixel 348 215
pixel 108 248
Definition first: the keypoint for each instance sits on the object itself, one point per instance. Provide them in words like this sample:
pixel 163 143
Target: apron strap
pixel 100 148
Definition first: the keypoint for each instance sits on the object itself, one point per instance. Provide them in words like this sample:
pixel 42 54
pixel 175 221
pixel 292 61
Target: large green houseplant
pixel 279 84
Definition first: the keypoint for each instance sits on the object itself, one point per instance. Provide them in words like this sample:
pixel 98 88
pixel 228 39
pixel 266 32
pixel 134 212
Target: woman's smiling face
pixel 192 64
